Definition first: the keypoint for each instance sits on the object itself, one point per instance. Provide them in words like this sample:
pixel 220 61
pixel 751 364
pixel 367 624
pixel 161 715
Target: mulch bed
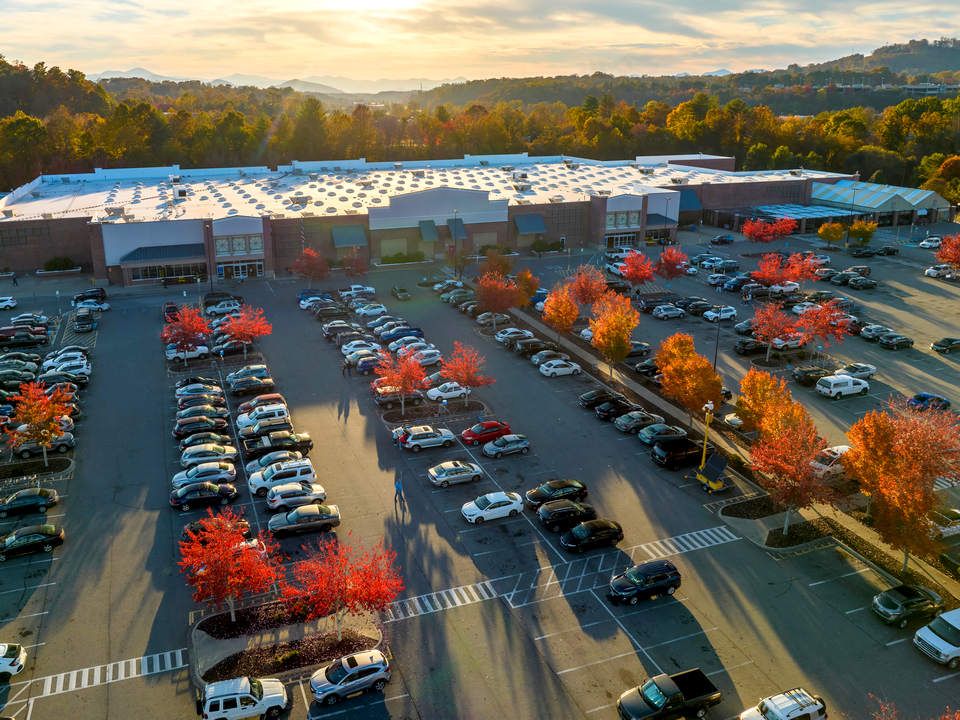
pixel 249 620
pixel 799 533
pixel 273 659
pixel 429 411
pixel 753 509
pixel 33 467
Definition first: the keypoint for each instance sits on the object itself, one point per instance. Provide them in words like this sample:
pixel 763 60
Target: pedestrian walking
pixel 346 364
pixel 343 368
pixel 398 490
pixel 15 281
pixel 443 406
pixel 718 287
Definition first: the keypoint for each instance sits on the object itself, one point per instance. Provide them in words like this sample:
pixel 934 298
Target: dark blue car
pixel 366 365
pixel 734 284
pixel 307 292
pixel 399 333
pixel 923 401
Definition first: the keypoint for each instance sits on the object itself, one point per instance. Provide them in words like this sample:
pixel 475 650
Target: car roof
pixel 234 686
pixel 656 566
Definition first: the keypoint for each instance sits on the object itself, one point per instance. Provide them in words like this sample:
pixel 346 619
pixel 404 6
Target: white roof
pixel 350 187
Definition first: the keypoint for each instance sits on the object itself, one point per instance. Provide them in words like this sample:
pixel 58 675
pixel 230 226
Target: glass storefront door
pixel 239 270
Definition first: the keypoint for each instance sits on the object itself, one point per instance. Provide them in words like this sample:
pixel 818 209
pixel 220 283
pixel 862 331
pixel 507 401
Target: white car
pixel 371 310
pixel 491 318
pixel 308 301
pixel 428 357
pixel 801 308
pixel 448 391
pixel 207 452
pixel 785 287
pixel 827 462
pixel 586 334
pixel 708 263
pixel 29 319
pixel 733 420
pixel 663 312
pixel 201 351
pixel 413 347
pixel 552 368
pixel 789 342
pixel 726 312
pixel 938 270
pixel 940 639
pixel 401 343
pixel 13 658
pixel 690 270
pixel 863 371
pixel 353 346
pixel 619 253
pixel 77 367
pixel 872 332
pixel 93 305
pixel 7 302
pixel 615 268
pixel 449 284
pixel 492 506
pixel 60 359
pixel 717 278
pixel 356 291
pixel 292 495
pixel 931 243
pixel 512 333
pixel 243 698
pixel 224 307
pixel 820 260
pixel 215 472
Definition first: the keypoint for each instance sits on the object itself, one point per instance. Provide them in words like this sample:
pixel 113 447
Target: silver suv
pixel 417 437
pixel 368 670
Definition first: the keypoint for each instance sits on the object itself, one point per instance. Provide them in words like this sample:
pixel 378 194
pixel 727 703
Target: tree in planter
pixel 248 326
pixel 496 264
pixel 36 417
pixel 637 269
pixel 496 294
pixel 788 445
pixel 670 263
pixel 831 233
pixel 587 285
pixel 187 332
pixel 311 265
pixel 799 268
pixel 757 231
pixel 221 566
pixel 403 373
pixel 675 349
pixel 824 322
pixel 770 323
pixel 692 382
pixel 761 394
pixel 458 261
pixel 337 579
pixel 770 270
pixel 354 266
pixel 527 286
pixel 613 322
pixel 462 366
pixel 861 231
pixel 949 251
pixel 560 310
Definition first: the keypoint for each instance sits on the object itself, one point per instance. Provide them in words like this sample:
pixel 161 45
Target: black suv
pixel 558 515
pixel 592 398
pixel 531 346
pixel 90 294
pixel 862 252
pixel 888 250
pixel 678 452
pixel 619 286
pixel 613 409
pixel 642 582
pixel 809 374
pixel 746 346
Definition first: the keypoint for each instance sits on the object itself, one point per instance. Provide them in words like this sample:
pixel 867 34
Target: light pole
pixel 716 342
pixel 456 257
pixel 707 417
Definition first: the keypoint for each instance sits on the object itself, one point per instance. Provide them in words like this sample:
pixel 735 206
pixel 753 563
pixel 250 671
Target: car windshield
pixel 635 576
pixel 482 502
pixel 945 631
pixel 335 673
pixel 890 600
pixel 581 531
pixel 653 696
pixel 478 428
pixel 500 442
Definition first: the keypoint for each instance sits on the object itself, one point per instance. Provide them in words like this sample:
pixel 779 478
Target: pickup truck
pixel 254 448
pixel 685 694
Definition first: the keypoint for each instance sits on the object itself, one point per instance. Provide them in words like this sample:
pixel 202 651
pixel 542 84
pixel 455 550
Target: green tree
pixel 758 157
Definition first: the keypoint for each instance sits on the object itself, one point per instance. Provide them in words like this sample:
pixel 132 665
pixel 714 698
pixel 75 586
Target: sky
pixel 370 39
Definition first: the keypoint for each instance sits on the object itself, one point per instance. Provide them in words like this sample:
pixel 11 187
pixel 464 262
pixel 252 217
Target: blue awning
pixel 152 253
pixel 349 236
pixel 655 220
pixel 428 231
pixel 689 200
pixel 457 230
pixel 530 224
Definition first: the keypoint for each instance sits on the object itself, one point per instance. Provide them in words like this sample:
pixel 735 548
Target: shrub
pixel 59 263
pixel 502 249
pixel 402 257
pixel 542 245
pixel 288 657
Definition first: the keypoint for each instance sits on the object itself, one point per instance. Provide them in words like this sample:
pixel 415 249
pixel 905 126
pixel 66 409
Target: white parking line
pixel 728 669
pixel 28 587
pixel 839 577
pixel 576 629
pixel 896 642
pixel 311 716
pixel 945 677
pixel 856 610
pixel 627 632
pixel 597 662
pixel 682 637
pixel 596 709
pixel 23 617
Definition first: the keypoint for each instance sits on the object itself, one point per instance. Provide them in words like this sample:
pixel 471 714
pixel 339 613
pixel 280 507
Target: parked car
pixel 888 250
pixel 838 386
pixel 492 506
pixel 945 522
pixel 722 240
pixel 264 427
pixel 251 386
pixel 95 293
pixel 809 374
pixel 30 540
pixel 61 444
pixel 636 420
pixel 447 391
pixel 644 581
pixel 863 371
pixel 862 283
pixel 418 437
pixel 287 496
pixel 28 501
pixel 7 302
pixel 508 335
pixel 946 345
pixel 894 341
pixel 828 463
pixel 202 438
pixel 651 434
pixel 507 445
pixel 665 312
pixel 678 452
pixel 207 452
pixel 367 670
pixel 213 472
pixel 212 411
pixel 281 440
pixel 873 332
pixel 925 400
pixel 388 397
pixel 689 694
pixel 562 489
pixel 614 408
pixel 547 355
pixel 904 603
pixel 718 313
pixel 526 347
pixel 305 519
pixel 198 388
pixel 931 243
pixel 453 472
pixel 265 399
pixel 484 432
pixel 591 534
pixel 940 639
pixel 938 270
pixel 553 368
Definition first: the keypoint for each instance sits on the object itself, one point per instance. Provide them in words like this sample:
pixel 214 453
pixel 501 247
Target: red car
pixel 170 312
pixel 484 432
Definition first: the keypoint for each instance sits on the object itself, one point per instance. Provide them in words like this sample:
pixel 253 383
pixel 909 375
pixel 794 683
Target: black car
pixel 265 427
pixel 13 379
pixel 229 347
pixel 330 329
pixel 185 428
pixel 531 346
pixel 564 489
pixel 197 380
pixel 251 386
pixel 613 409
pixel 678 452
pixel 946 345
pixel 722 240
pixel 400 293
pixel 202 438
pixel 638 350
pixel 647 304
pixel 744 327
pixel 894 341
pixel 90 294
pixel 644 581
pixel 888 250
pixel 903 603
pixel 23 357
pixel 591 534
pixel 820 296
pixel 201 494
pixel 635 420
pixel 29 540
pixel 592 398
pixel 648 368
pixel 258 447
pixel 328 312
pixel 748 346
pixel 862 283
pixel 863 252
pixel 558 515
pixel 842 278
pixel 809 374
pixel 699 308
pixel 684 303
pixel 31 500
pixel 618 286
pixel 194 400
pixel 861 270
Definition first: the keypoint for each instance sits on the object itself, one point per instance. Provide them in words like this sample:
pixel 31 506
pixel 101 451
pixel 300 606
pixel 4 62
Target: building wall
pixel 571 221
pixel 734 195
pixel 26 245
pixel 317 234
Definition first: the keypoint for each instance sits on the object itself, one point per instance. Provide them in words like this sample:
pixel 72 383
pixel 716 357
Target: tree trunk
pixel 231 602
pixel 906 559
pixel 402 409
pixel 338 616
pixel 786 520
pixel 769 350
pixel 244 352
pixel 46 463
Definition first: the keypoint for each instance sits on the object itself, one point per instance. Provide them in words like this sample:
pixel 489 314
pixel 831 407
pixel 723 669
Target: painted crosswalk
pixel 440 600
pixel 945 483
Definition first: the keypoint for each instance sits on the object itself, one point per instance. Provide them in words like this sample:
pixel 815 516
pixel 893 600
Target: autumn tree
pixel 692 382
pixel 560 310
pixel 770 270
pixel 799 268
pixel 187 332
pixel 861 231
pixel 247 327
pixel 310 265
pixel 770 323
pixel 669 264
pixel 757 231
pixel 527 286
pixel 760 395
pixel 221 566
pixel 587 285
pixel 949 251
pixel 675 349
pixel 354 265
pixel 404 374
pixel 788 445
pixel 637 269
pixel 613 322
pixel 783 227
pixel 339 579
pixel 831 233
pixel 496 264
pixel 462 366
pixel 826 322
pixel 36 417
pixel 496 294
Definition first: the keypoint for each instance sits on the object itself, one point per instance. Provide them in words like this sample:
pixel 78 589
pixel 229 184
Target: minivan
pixel 644 581
pixel 836 386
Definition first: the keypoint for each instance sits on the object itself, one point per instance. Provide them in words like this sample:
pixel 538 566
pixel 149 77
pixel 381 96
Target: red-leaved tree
pixel 496 294
pixel 338 579
pixel 560 309
pixel 669 264
pixel 823 322
pixel 527 286
pixel 637 269
pixel 354 266
pixel 187 332
pixel 761 231
pixel 800 268
pixel 462 366
pixel 402 373
pixel 770 323
pixel 949 251
pixel 221 566
pixel 311 265
pixel 248 326
pixel 770 270
pixel 36 417
pixel 587 284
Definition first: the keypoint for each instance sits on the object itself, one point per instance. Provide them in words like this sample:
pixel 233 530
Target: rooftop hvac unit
pixel 521 187
pixel 484 163
pixel 567 161
pixel 174 179
pixel 8 212
pixel 396 166
pixel 644 169
pixel 796 173
pixel 181 192
pixel 418 173
pixel 678 180
pixel 114 210
pixel 519 175
pixel 47 215
pixel 507 168
pixel 314 176
pixel 604 193
pixel 556 198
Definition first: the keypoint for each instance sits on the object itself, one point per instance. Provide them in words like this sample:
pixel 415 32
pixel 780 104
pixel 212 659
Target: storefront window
pixel 621 219
pixel 256 243
pixel 611 220
pixel 187 271
pixel 239 244
pixel 634 219
pixel 222 246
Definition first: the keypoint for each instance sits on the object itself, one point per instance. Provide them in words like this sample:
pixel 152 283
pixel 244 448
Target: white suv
pixel 224 307
pixel 940 639
pixel 263 412
pixel 243 698
pixel 280 473
pixel 796 704
pixel 13 657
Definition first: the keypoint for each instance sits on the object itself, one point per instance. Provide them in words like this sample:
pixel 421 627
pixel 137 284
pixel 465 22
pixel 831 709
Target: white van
pixel 292 471
pixel 827 462
pixel 836 386
pixel 262 412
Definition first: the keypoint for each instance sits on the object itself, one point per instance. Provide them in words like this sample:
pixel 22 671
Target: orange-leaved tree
pixel 613 322
pixel 799 268
pixel 311 265
pixel 187 332
pixel 770 270
pixel 496 294
pixel 770 323
pixel 949 251
pixel 248 326
pixel 221 566
pixel 340 579
pixel 587 285
pixel 637 269
pixel 826 322
pixel 760 395
pixel 788 444
pixel 496 263
pixel 758 231
pixel 674 349
pixel 670 263
pixel 784 226
pixel 560 309
pixel 36 417
pixel 688 377
pixel 527 286
pixel 462 366
pixel 404 374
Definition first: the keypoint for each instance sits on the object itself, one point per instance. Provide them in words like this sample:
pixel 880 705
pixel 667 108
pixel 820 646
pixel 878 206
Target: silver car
pixel 214 472
pixel 207 452
pixel 368 670
pixel 306 518
pixel 291 495
pixel 506 444
pixel 453 472
pixel 417 437
pixel 271 458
